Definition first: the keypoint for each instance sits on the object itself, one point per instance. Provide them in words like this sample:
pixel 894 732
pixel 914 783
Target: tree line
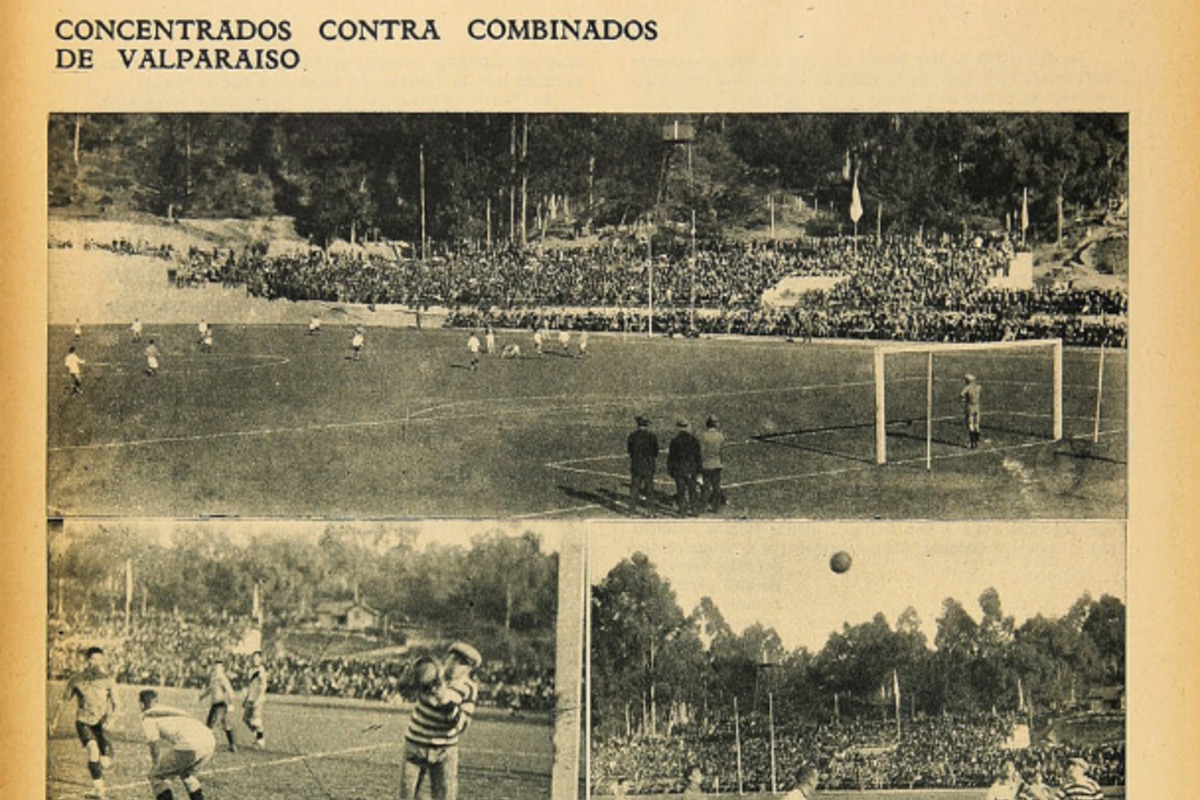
pixel 655 665
pixel 500 583
pixel 514 178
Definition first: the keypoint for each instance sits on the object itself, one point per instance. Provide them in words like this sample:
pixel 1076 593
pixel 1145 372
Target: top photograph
pixel 570 316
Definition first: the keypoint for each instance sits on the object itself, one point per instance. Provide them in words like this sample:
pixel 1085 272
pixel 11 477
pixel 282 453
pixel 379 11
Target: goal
pixel 917 389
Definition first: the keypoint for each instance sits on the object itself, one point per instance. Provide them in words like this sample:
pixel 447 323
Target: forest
pixel 520 178
pixel 653 664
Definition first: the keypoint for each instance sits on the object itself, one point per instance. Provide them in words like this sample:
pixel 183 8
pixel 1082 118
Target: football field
pixel 330 751
pixel 276 422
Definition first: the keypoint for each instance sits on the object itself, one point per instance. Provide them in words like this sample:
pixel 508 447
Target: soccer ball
pixel 840 562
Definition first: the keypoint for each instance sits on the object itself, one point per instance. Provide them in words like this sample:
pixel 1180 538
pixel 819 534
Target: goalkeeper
pixel 970 400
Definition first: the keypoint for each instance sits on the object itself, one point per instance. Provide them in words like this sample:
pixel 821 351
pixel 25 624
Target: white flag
pixel 1025 210
pixel 856 208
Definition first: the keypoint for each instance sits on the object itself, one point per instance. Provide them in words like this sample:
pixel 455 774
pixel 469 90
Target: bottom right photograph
pixel 806 659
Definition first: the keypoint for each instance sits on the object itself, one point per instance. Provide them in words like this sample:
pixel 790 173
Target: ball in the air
pixel 840 562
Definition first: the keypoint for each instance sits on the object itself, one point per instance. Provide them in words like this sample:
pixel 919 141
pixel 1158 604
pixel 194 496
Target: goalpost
pixel 921 382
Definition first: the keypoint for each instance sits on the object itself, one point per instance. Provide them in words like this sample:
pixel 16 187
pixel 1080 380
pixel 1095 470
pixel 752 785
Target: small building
pixel 1105 699
pixel 348 615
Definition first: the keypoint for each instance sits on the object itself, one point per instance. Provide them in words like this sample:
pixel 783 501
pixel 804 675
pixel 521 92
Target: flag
pixel 856 207
pixel 846 166
pixel 1025 210
pixel 896 691
pixel 1020 696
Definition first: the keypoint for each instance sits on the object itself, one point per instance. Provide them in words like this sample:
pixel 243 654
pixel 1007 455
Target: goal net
pixel 918 404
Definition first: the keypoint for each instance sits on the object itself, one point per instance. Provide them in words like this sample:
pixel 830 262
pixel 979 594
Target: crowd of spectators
pixel 900 288
pixel 169 650
pixel 932 752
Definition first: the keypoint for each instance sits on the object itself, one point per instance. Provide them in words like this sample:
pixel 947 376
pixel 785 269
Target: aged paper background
pixel 812 55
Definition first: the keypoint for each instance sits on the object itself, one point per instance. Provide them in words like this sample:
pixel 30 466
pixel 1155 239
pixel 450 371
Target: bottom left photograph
pixel 312 659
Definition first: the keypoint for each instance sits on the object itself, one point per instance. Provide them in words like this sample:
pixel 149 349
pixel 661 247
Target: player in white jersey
pixel 489 339
pixel 151 359
pixel 78 329
pixel 583 344
pixel 356 344
pixel 314 325
pixel 473 349
pixel 564 340
pixel 511 350
pixel 179 746
pixel 74 365
pixel 537 341
pixel 136 329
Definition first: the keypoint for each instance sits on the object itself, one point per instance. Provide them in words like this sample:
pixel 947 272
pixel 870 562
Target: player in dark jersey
pixel 94 693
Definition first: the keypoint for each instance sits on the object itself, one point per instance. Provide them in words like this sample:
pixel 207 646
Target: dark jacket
pixel 683 457
pixel 643 452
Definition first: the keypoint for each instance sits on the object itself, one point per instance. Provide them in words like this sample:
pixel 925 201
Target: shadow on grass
pixel 1084 450
pixel 619 503
pixel 790 439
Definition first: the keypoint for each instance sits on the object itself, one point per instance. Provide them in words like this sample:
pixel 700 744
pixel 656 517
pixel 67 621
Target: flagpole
pixel 737 742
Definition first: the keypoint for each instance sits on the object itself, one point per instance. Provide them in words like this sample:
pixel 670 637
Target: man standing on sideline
pixel 1079 786
pixel 642 446
pixel 489 338
pixel 970 399
pixel 94 692
pixel 256 697
pixel 220 694
pixel 74 365
pixel 683 464
pixel 179 747
pixel 712 442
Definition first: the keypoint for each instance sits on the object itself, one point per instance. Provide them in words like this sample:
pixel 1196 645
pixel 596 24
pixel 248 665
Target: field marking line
pixel 254 765
pixel 804 475
pixel 521 408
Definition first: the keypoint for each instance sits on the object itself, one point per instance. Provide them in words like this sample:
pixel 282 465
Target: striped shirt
pixel 439 725
pixel 1083 789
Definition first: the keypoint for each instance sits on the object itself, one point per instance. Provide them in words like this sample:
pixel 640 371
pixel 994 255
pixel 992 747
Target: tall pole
pixel 524 180
pixel 128 592
pixel 569 663
pixel 1099 394
pixel 928 413
pixel 737 742
pixel 771 200
pixel 692 299
pixel 489 224
pixel 650 272
pixel 771 731
pixel 424 234
pixel 880 410
pixel 512 182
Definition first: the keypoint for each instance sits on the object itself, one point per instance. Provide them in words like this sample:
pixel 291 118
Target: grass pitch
pixel 331 751
pixel 276 422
